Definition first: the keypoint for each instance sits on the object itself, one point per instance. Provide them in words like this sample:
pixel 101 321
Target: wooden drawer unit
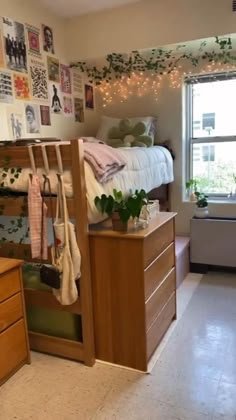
pixel 14 346
pixel 158 241
pixel 160 326
pixel 9 284
pixel 158 269
pixel 133 279
pixel 10 311
pixel 158 299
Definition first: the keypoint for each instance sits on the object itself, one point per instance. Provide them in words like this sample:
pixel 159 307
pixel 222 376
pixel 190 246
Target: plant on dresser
pixel 121 208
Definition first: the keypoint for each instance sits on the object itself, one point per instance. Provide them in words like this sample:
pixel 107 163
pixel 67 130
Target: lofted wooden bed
pixel 73 159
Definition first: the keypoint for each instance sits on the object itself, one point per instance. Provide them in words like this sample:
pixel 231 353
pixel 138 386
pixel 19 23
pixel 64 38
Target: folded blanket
pixel 104 160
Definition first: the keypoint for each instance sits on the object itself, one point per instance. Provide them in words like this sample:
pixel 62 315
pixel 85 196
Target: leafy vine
pixel 157 60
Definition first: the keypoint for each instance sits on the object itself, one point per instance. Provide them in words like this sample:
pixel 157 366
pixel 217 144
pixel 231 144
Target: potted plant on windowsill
pixel 121 208
pixel 191 187
pixel 201 210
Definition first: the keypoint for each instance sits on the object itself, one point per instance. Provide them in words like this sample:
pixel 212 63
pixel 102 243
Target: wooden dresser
pixel 14 345
pixel 134 290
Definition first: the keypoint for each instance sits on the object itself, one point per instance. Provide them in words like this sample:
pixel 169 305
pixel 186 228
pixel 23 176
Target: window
pixel 211 132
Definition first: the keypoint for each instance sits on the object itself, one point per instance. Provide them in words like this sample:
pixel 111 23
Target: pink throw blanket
pixel 104 161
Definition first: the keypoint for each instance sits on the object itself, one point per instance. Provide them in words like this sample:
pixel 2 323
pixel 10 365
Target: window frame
pixel 189 82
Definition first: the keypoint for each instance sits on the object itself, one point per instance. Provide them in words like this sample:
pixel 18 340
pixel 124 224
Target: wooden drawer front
pixel 160 326
pixel 13 350
pixel 10 311
pixel 159 298
pixel 154 274
pixel 9 284
pixel 155 243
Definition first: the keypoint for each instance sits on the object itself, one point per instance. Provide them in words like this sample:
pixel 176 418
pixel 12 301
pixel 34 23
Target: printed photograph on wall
pixel 67 106
pixel 55 98
pixel 48 41
pixel 32 118
pixel 15 122
pixel 2 62
pixel 79 110
pixel 77 82
pixel 14 45
pixel 45 115
pixel 38 79
pixel 65 79
pixel 89 98
pixel 53 69
pixel 6 89
pixel 21 86
pixel 33 40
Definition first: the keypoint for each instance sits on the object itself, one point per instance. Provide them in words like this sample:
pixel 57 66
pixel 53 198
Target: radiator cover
pixel 213 241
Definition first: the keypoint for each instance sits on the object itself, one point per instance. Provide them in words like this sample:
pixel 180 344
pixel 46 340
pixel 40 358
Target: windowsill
pixel 215 201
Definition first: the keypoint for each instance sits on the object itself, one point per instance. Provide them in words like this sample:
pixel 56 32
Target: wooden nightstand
pixel 134 290
pixel 14 345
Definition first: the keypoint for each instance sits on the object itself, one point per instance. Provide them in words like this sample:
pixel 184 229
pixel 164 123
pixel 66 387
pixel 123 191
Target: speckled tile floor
pixel 194 377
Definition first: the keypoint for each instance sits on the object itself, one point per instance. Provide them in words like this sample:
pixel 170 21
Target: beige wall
pixel 153 23
pixel 168 110
pixel 28 11
pixel 146 24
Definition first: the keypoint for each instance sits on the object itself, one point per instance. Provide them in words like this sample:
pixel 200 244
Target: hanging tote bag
pixel 67 294
pixel 50 274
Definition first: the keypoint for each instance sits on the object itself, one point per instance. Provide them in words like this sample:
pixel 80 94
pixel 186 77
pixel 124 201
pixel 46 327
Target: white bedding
pixel 145 168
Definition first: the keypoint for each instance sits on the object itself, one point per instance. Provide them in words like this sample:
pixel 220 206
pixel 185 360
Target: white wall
pixel 147 24
pixel 29 11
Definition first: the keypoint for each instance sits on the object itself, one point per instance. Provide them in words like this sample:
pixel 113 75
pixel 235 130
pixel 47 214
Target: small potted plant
pixel 201 210
pixel 121 208
pixel 191 187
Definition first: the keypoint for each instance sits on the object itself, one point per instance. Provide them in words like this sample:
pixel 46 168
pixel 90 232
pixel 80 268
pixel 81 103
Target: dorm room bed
pixel 71 333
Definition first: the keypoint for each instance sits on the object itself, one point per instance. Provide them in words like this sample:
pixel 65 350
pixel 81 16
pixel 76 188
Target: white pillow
pixel 109 122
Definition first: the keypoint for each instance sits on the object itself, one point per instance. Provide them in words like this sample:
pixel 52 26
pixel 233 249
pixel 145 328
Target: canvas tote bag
pixel 69 259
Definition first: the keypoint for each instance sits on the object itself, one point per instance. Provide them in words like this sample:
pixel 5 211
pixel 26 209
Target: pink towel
pixel 39 248
pixel 104 160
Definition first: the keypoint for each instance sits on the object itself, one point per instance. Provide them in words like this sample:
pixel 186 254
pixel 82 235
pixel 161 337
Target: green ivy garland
pixel 159 61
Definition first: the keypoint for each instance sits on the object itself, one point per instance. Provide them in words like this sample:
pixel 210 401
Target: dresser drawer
pixel 155 272
pixel 10 311
pixel 9 284
pixel 159 298
pixel 13 349
pixel 155 243
pixel 160 326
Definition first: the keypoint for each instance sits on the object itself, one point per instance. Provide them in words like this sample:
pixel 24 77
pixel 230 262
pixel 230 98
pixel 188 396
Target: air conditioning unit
pixel 234 6
pixel 213 241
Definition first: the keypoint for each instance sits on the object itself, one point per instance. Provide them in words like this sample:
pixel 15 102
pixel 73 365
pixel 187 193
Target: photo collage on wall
pixel 34 84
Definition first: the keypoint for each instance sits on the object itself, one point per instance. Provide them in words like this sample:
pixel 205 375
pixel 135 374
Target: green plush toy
pixel 127 135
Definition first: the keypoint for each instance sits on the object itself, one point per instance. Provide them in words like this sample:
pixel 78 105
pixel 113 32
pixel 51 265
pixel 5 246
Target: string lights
pixel 140 84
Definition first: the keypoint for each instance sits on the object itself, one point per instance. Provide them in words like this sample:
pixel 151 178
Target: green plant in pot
pixel 191 187
pixel 201 209
pixel 121 208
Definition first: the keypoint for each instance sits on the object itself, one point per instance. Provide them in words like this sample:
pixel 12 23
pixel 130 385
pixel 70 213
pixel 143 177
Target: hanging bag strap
pixel 64 208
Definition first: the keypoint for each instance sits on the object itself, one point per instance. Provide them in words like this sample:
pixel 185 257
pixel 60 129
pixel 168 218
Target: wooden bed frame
pixel 72 158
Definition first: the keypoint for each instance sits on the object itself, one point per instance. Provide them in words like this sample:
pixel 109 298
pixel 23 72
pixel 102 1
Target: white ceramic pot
pixel 201 212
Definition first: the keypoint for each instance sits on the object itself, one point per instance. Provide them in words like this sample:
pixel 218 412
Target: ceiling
pixel 71 8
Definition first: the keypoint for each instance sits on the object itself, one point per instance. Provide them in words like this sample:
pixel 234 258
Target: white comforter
pixel 145 168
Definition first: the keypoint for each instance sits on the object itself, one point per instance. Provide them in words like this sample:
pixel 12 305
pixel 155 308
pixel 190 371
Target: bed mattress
pixel 146 168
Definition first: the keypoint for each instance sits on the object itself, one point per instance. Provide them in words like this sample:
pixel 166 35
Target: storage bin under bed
pixel 47 321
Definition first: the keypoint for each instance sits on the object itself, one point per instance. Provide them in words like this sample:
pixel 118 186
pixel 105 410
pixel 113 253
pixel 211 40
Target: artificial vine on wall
pixel 158 60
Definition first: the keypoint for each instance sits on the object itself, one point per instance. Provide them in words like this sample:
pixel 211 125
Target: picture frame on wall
pixel 48 39
pixel 14 45
pixel 89 96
